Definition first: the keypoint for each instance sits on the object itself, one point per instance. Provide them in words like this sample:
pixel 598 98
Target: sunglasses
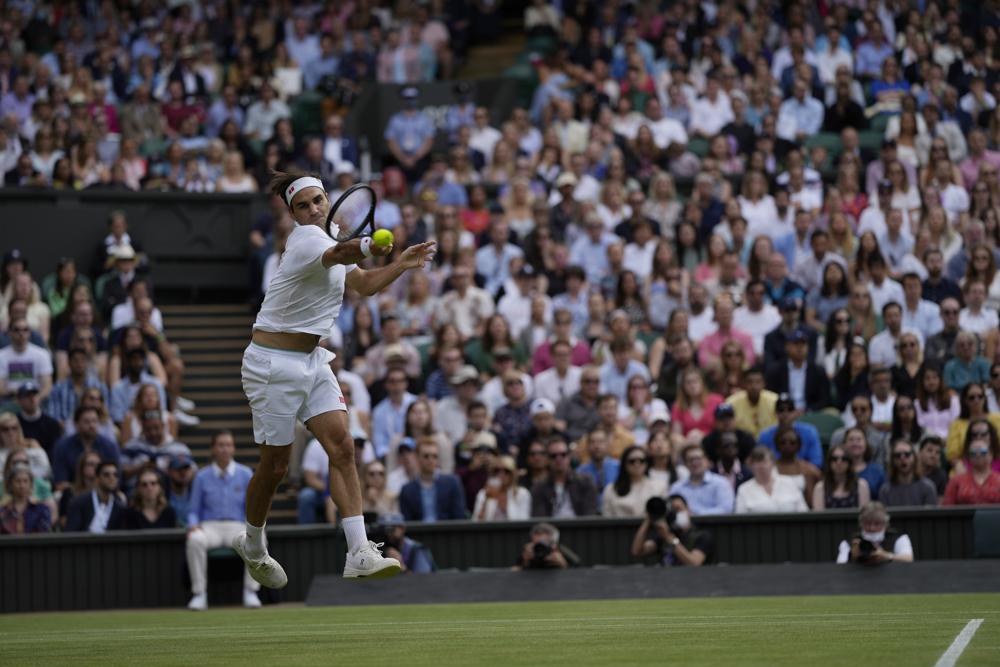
pixel 975 397
pixel 949 311
pixel 842 320
pixel 152 482
pixel 902 455
pixel 980 433
pixel 589 381
pixel 635 461
pixel 559 455
pixel 839 459
pixel 376 473
pixel 979 451
pixel 428 456
pixel 498 471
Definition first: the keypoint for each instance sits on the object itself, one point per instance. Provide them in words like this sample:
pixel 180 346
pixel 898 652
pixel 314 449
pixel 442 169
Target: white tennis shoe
pixel 368 562
pixel 199 602
pixel 266 571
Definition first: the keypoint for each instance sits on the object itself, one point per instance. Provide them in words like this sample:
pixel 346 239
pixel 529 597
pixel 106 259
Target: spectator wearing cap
pixel 620 368
pixel 116 282
pixel 433 496
pixel 35 424
pixel 710 346
pixel 811 449
pixel 66 393
pixel 391 347
pixel 726 429
pixel 753 405
pixel 544 425
pixel 135 376
pixel 466 306
pixel 619 437
pixel 412 555
pixel 100 510
pixel 791 321
pixel 409 135
pixel 502 499
pixel 565 493
pixel 479 453
pixel 493 391
pixel 601 468
pixel 494 258
pixel 22 363
pixel 512 421
pixel 804 380
pixel 388 417
pixel 180 476
pixel 86 438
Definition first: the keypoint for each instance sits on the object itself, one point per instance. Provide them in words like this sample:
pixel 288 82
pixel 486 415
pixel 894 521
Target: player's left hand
pixel 416 256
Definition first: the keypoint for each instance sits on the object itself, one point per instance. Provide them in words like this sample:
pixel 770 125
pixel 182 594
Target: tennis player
pixel 287 377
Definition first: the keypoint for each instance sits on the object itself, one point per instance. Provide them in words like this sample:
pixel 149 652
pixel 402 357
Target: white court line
pixel 954 651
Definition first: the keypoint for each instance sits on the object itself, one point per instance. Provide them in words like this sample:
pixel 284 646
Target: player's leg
pixel 252 545
pixel 363 558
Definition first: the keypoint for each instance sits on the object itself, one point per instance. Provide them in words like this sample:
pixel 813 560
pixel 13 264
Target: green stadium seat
pixel 825 422
pixel 698 146
pixel 828 140
pixel 986 533
pixel 879 123
pixel 307 113
pixel 870 139
pixel 221 552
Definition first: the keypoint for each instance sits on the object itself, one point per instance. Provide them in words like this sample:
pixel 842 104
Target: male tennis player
pixel 287 377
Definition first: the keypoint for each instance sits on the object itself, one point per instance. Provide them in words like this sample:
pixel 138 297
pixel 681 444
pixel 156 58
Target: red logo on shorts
pixel 342 400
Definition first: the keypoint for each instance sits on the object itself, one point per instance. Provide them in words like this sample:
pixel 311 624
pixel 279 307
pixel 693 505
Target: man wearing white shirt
pixel 833 56
pixel 809 271
pixel 756 317
pixel 701 318
pixel 896 242
pixel 563 379
pixel 125 312
pixel 783 56
pixel 639 253
pixel 493 259
pixel 974 317
pixel 484 137
pixel 516 306
pixel 22 363
pixel 919 313
pixel 712 112
pixel 666 131
pixel 882 288
pixel 264 113
pixel 882 346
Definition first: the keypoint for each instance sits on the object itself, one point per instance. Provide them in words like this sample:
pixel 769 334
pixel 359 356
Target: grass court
pixel 909 630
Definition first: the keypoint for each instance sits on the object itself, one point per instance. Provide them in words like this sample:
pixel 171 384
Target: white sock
pixel 255 541
pixel 354 531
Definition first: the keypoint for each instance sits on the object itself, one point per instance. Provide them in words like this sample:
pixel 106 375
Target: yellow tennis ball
pixel 382 238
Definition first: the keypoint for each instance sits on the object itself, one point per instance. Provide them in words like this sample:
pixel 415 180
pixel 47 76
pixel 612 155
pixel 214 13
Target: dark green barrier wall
pixel 122 570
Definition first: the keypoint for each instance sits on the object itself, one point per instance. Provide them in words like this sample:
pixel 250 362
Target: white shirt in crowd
pixel 785 496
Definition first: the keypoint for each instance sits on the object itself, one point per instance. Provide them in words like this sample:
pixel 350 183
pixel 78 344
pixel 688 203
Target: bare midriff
pixel 293 341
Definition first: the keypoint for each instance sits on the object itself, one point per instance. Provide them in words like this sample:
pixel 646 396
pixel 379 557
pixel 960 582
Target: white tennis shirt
pixel 303 294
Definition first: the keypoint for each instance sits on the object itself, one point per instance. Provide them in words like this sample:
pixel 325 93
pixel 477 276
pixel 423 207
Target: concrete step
pixel 206 321
pixel 221 345
pixel 207 397
pixel 212 370
pixel 187 334
pixel 206 309
pixel 232 381
pixel 195 358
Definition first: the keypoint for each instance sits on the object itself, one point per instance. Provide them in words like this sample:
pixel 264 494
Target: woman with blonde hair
pixel 92 397
pixel 662 204
pixel 38 315
pixel 234 175
pixel 18 514
pixel 376 495
pixel 147 399
pixel 12 440
pixel 517 203
pixel 694 409
pixel 502 498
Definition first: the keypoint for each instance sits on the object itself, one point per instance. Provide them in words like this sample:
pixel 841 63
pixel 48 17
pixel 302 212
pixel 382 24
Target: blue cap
pixel 798 336
pixel 789 303
pixel 181 461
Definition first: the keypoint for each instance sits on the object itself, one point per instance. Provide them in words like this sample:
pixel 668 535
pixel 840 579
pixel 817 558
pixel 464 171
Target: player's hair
pixel 280 180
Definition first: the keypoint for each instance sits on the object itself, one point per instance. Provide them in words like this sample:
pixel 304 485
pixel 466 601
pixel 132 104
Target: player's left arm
pixel 373 281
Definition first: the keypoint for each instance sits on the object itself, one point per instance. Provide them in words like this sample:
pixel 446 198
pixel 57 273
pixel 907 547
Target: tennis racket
pixel 353 214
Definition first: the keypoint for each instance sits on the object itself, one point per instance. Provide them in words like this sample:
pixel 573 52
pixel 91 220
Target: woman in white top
pixel 234 177
pixel 757 206
pixel 768 491
pixel 287 377
pixel 628 495
pixel 501 499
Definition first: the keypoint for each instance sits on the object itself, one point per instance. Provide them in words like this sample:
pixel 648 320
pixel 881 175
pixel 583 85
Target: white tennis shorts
pixel 284 386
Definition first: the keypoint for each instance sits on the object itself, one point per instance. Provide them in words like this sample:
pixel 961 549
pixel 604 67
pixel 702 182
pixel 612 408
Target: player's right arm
pixel 349 252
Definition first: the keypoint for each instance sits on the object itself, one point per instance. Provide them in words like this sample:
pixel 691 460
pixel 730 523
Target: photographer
pixel 667 534
pixel 412 555
pixel 543 551
pixel 876 543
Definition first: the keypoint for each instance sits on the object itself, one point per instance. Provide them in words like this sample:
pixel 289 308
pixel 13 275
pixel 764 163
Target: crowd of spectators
pixel 739 255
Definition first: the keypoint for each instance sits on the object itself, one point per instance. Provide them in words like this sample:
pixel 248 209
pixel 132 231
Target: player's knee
pixel 342 454
pixel 279 467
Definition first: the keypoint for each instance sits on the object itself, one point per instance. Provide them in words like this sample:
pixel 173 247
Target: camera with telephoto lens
pixel 865 550
pixel 541 551
pixel 657 510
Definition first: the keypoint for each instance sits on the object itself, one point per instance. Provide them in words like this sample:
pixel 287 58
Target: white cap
pixel 540 405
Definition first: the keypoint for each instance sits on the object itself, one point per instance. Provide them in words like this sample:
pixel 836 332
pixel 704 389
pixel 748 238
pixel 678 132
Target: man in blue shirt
pixel 493 259
pixel 216 516
pixel 326 64
pixel 811 449
pixel 388 417
pixel 433 496
pixel 800 116
pixel 601 468
pixel 704 491
pixel 86 438
pixel 410 136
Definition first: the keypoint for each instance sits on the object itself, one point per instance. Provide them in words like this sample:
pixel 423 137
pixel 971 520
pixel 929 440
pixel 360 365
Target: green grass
pixel 844 630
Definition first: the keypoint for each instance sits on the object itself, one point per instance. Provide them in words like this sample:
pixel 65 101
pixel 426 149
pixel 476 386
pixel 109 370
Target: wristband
pixel 366 246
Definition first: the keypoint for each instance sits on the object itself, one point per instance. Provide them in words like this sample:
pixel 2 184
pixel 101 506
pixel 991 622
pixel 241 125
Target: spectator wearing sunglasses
pixel 906 485
pixel 973 408
pixel 566 493
pixel 100 510
pixel 628 495
pixel 979 484
pixel 840 487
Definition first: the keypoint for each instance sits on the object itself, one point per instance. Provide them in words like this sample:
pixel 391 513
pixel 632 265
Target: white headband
pixel 300 184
